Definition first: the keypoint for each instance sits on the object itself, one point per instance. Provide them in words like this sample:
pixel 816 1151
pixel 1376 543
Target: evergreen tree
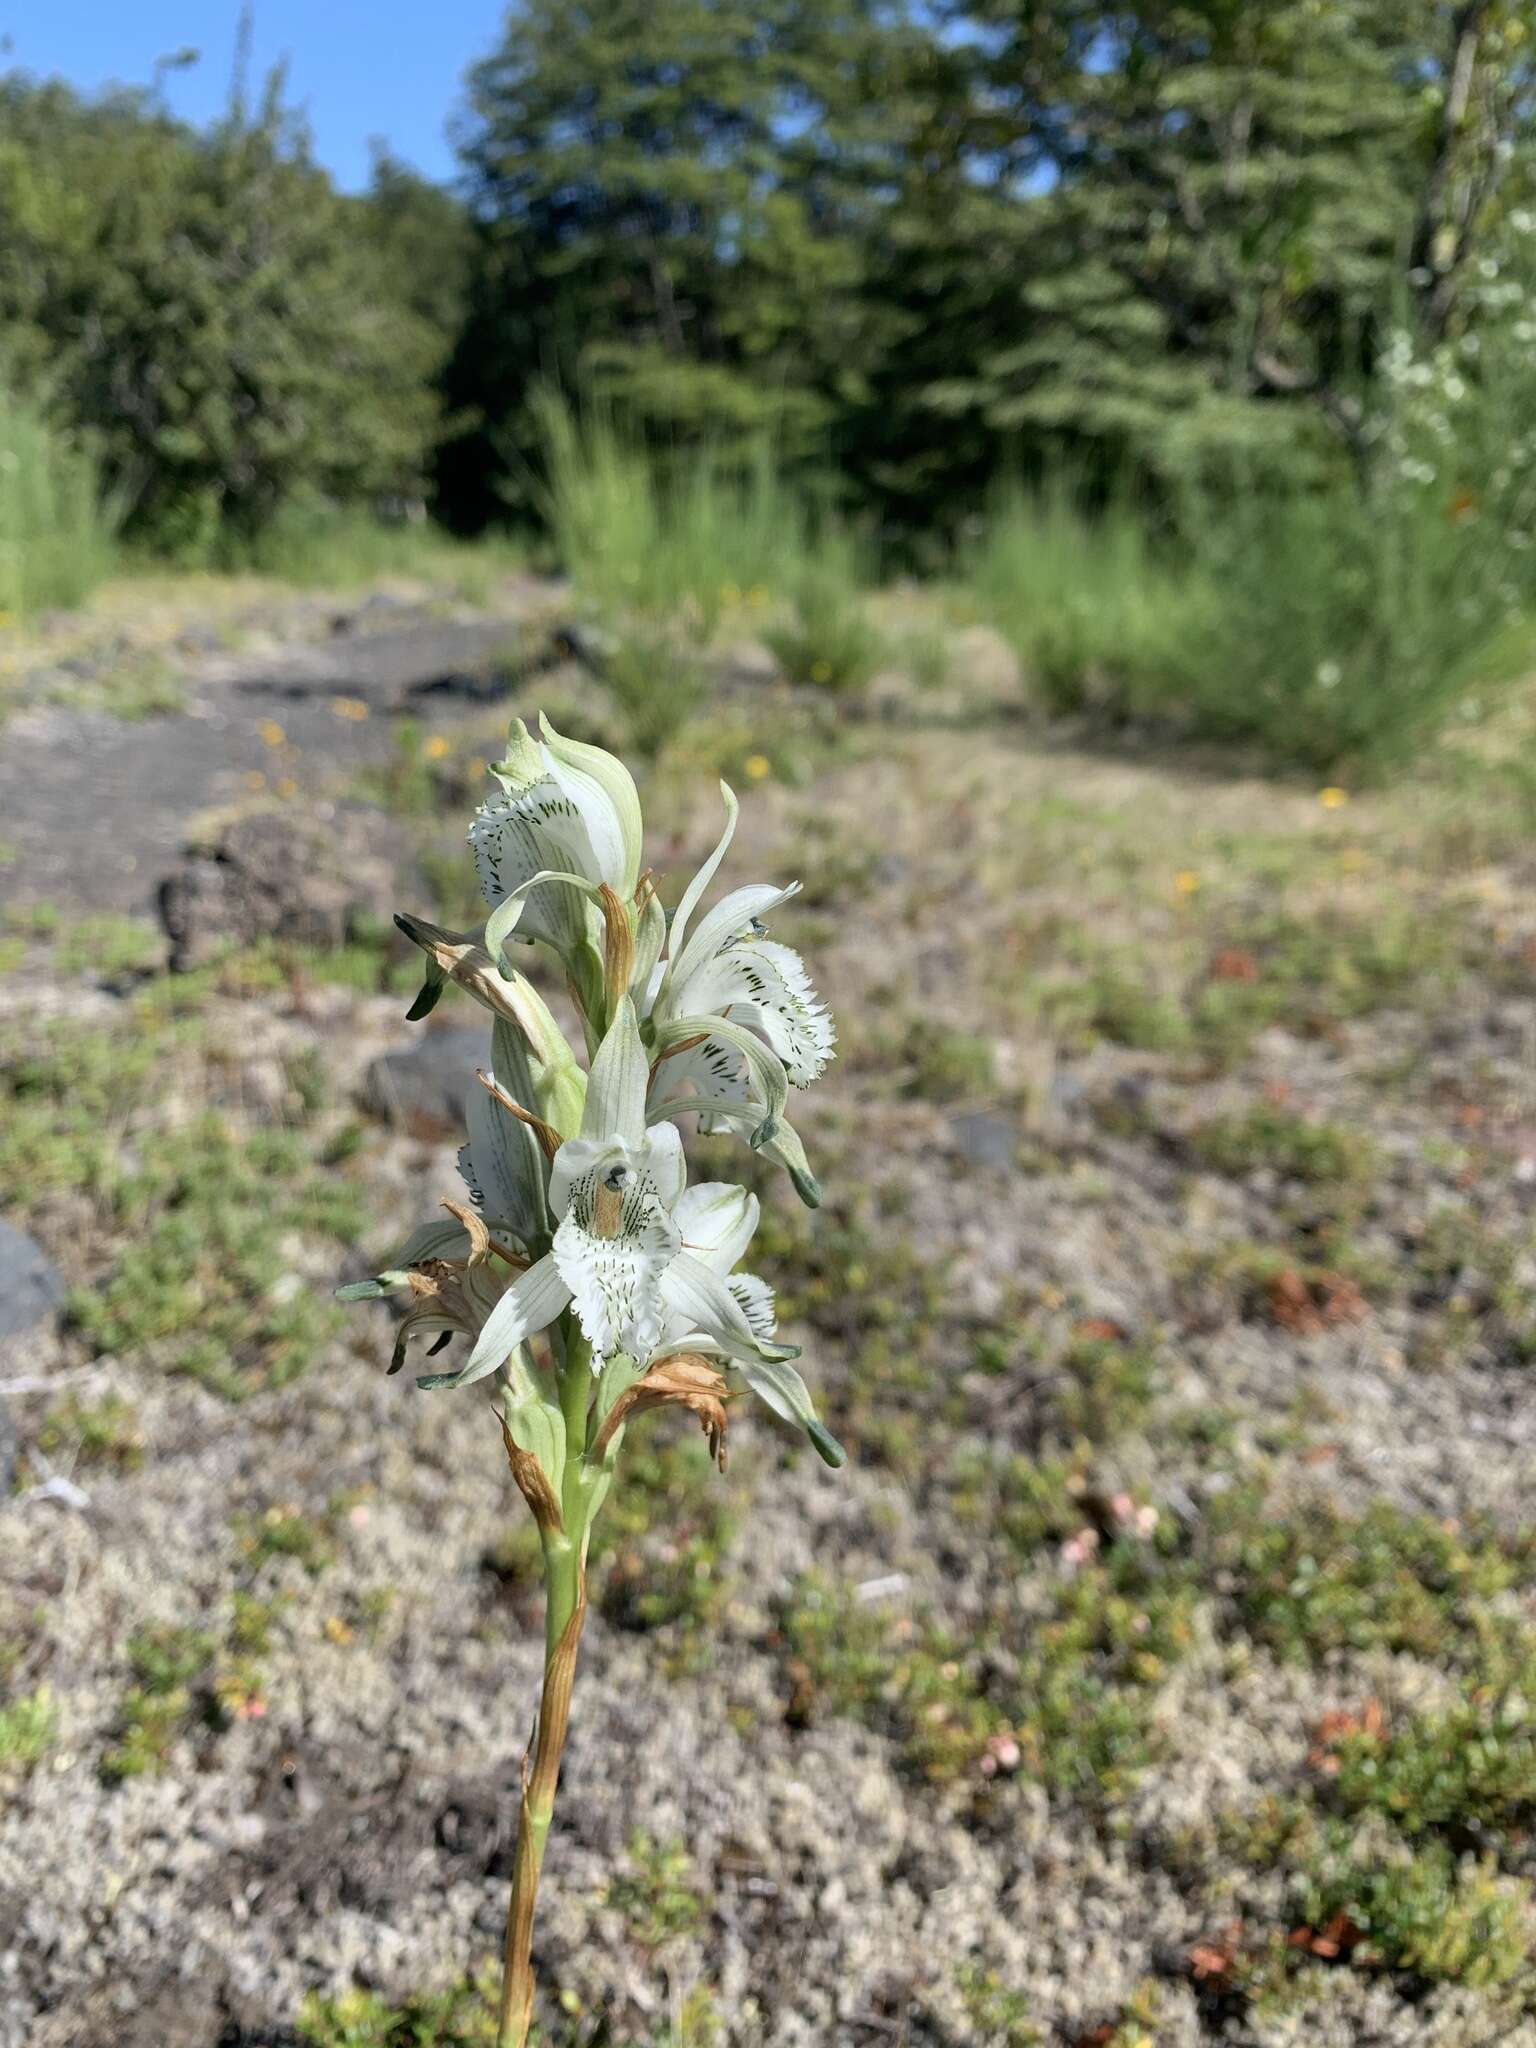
pixel 669 196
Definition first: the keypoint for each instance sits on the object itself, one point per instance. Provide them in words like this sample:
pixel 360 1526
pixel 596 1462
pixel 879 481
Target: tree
pixel 669 195
pixel 201 303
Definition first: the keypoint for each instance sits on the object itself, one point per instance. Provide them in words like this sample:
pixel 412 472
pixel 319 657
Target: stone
pixel 30 1287
pixel 985 1138
pixel 317 878
pixel 426 1086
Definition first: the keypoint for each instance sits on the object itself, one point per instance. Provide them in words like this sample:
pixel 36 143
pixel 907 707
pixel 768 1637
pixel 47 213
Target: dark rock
pixel 984 1138
pixel 427 1085
pixel 30 1288
pixel 314 879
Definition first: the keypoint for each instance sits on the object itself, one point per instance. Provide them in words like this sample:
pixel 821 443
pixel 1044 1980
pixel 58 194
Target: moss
pixel 1269 1136
pixel 204 1216
pixel 1469 1769
pixel 1427 1912
pixel 1067 1695
pixel 656 1893
pixel 463 2016
pixel 28 1727
pixel 287 1531
pixel 999 2017
pixel 103 1433
pixel 1324 1582
pixel 172 1668
pixel 659 1547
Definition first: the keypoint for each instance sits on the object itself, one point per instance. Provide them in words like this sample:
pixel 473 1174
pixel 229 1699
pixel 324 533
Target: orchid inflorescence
pixel 592 1282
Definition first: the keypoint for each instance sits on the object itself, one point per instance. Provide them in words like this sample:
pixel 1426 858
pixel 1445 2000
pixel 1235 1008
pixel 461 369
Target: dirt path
pixel 94 809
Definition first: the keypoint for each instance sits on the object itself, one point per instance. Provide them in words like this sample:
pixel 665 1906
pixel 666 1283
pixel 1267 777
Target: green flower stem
pixel 565 1612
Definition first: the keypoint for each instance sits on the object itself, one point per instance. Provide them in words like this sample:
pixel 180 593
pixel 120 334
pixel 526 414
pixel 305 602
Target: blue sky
pixel 359 68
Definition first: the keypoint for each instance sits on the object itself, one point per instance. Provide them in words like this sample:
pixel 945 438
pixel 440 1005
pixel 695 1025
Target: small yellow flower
pixel 821 671
pixel 757 766
pixel 337 1630
pixel 352 708
pixel 271 732
pixel 757 596
pixel 1186 882
pixel 254 779
pixel 436 747
pixel 729 594
pixel 1051 1297
pixel 1332 798
pixel 285 787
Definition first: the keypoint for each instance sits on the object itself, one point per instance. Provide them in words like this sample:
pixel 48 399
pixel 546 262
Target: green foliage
pixel 203 304
pixel 826 638
pixel 658 1553
pixel 655 1892
pixel 1324 1582
pixel 1463 1771
pixel 463 2016
pixel 1095 614
pixel 1295 1147
pixel 56 540
pixel 205 1218
pixel 27 1729
pixel 103 1433
pixel 1426 1912
pixel 999 2016
pixel 204 1215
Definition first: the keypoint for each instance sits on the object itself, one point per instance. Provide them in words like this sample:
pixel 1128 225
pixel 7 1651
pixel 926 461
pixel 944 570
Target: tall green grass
pixel 317 545
pixel 1098 616
pixel 56 537
pixel 1334 629
pixel 679 541
pixel 665 550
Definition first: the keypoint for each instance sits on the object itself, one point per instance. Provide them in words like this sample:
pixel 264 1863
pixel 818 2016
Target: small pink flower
pixel 1078 1549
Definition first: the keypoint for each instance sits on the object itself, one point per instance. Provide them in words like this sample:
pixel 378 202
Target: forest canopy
pixel 912 248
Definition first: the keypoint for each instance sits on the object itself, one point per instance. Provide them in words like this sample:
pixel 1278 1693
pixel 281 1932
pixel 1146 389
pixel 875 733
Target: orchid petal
pixel 612 1249
pixel 600 785
pixel 693 895
pixel 729 918
pixel 616 1087
pixel 531 1303
pixel 764 986
pixel 781 1387
pixel 717 1221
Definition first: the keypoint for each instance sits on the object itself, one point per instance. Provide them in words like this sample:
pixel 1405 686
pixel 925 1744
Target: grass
pixel 56 541
pixel 666 554
pixel 317 545
pixel 1330 629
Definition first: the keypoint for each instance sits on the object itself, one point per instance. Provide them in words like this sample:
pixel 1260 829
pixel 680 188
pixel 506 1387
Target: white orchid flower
pixel 730 968
pixel 718 1222
pixel 618 1254
pixel 734 1020
pixel 566 825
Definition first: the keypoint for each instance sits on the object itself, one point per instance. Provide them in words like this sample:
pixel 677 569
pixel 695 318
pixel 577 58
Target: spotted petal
pixel 612 1249
pixel 755 982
